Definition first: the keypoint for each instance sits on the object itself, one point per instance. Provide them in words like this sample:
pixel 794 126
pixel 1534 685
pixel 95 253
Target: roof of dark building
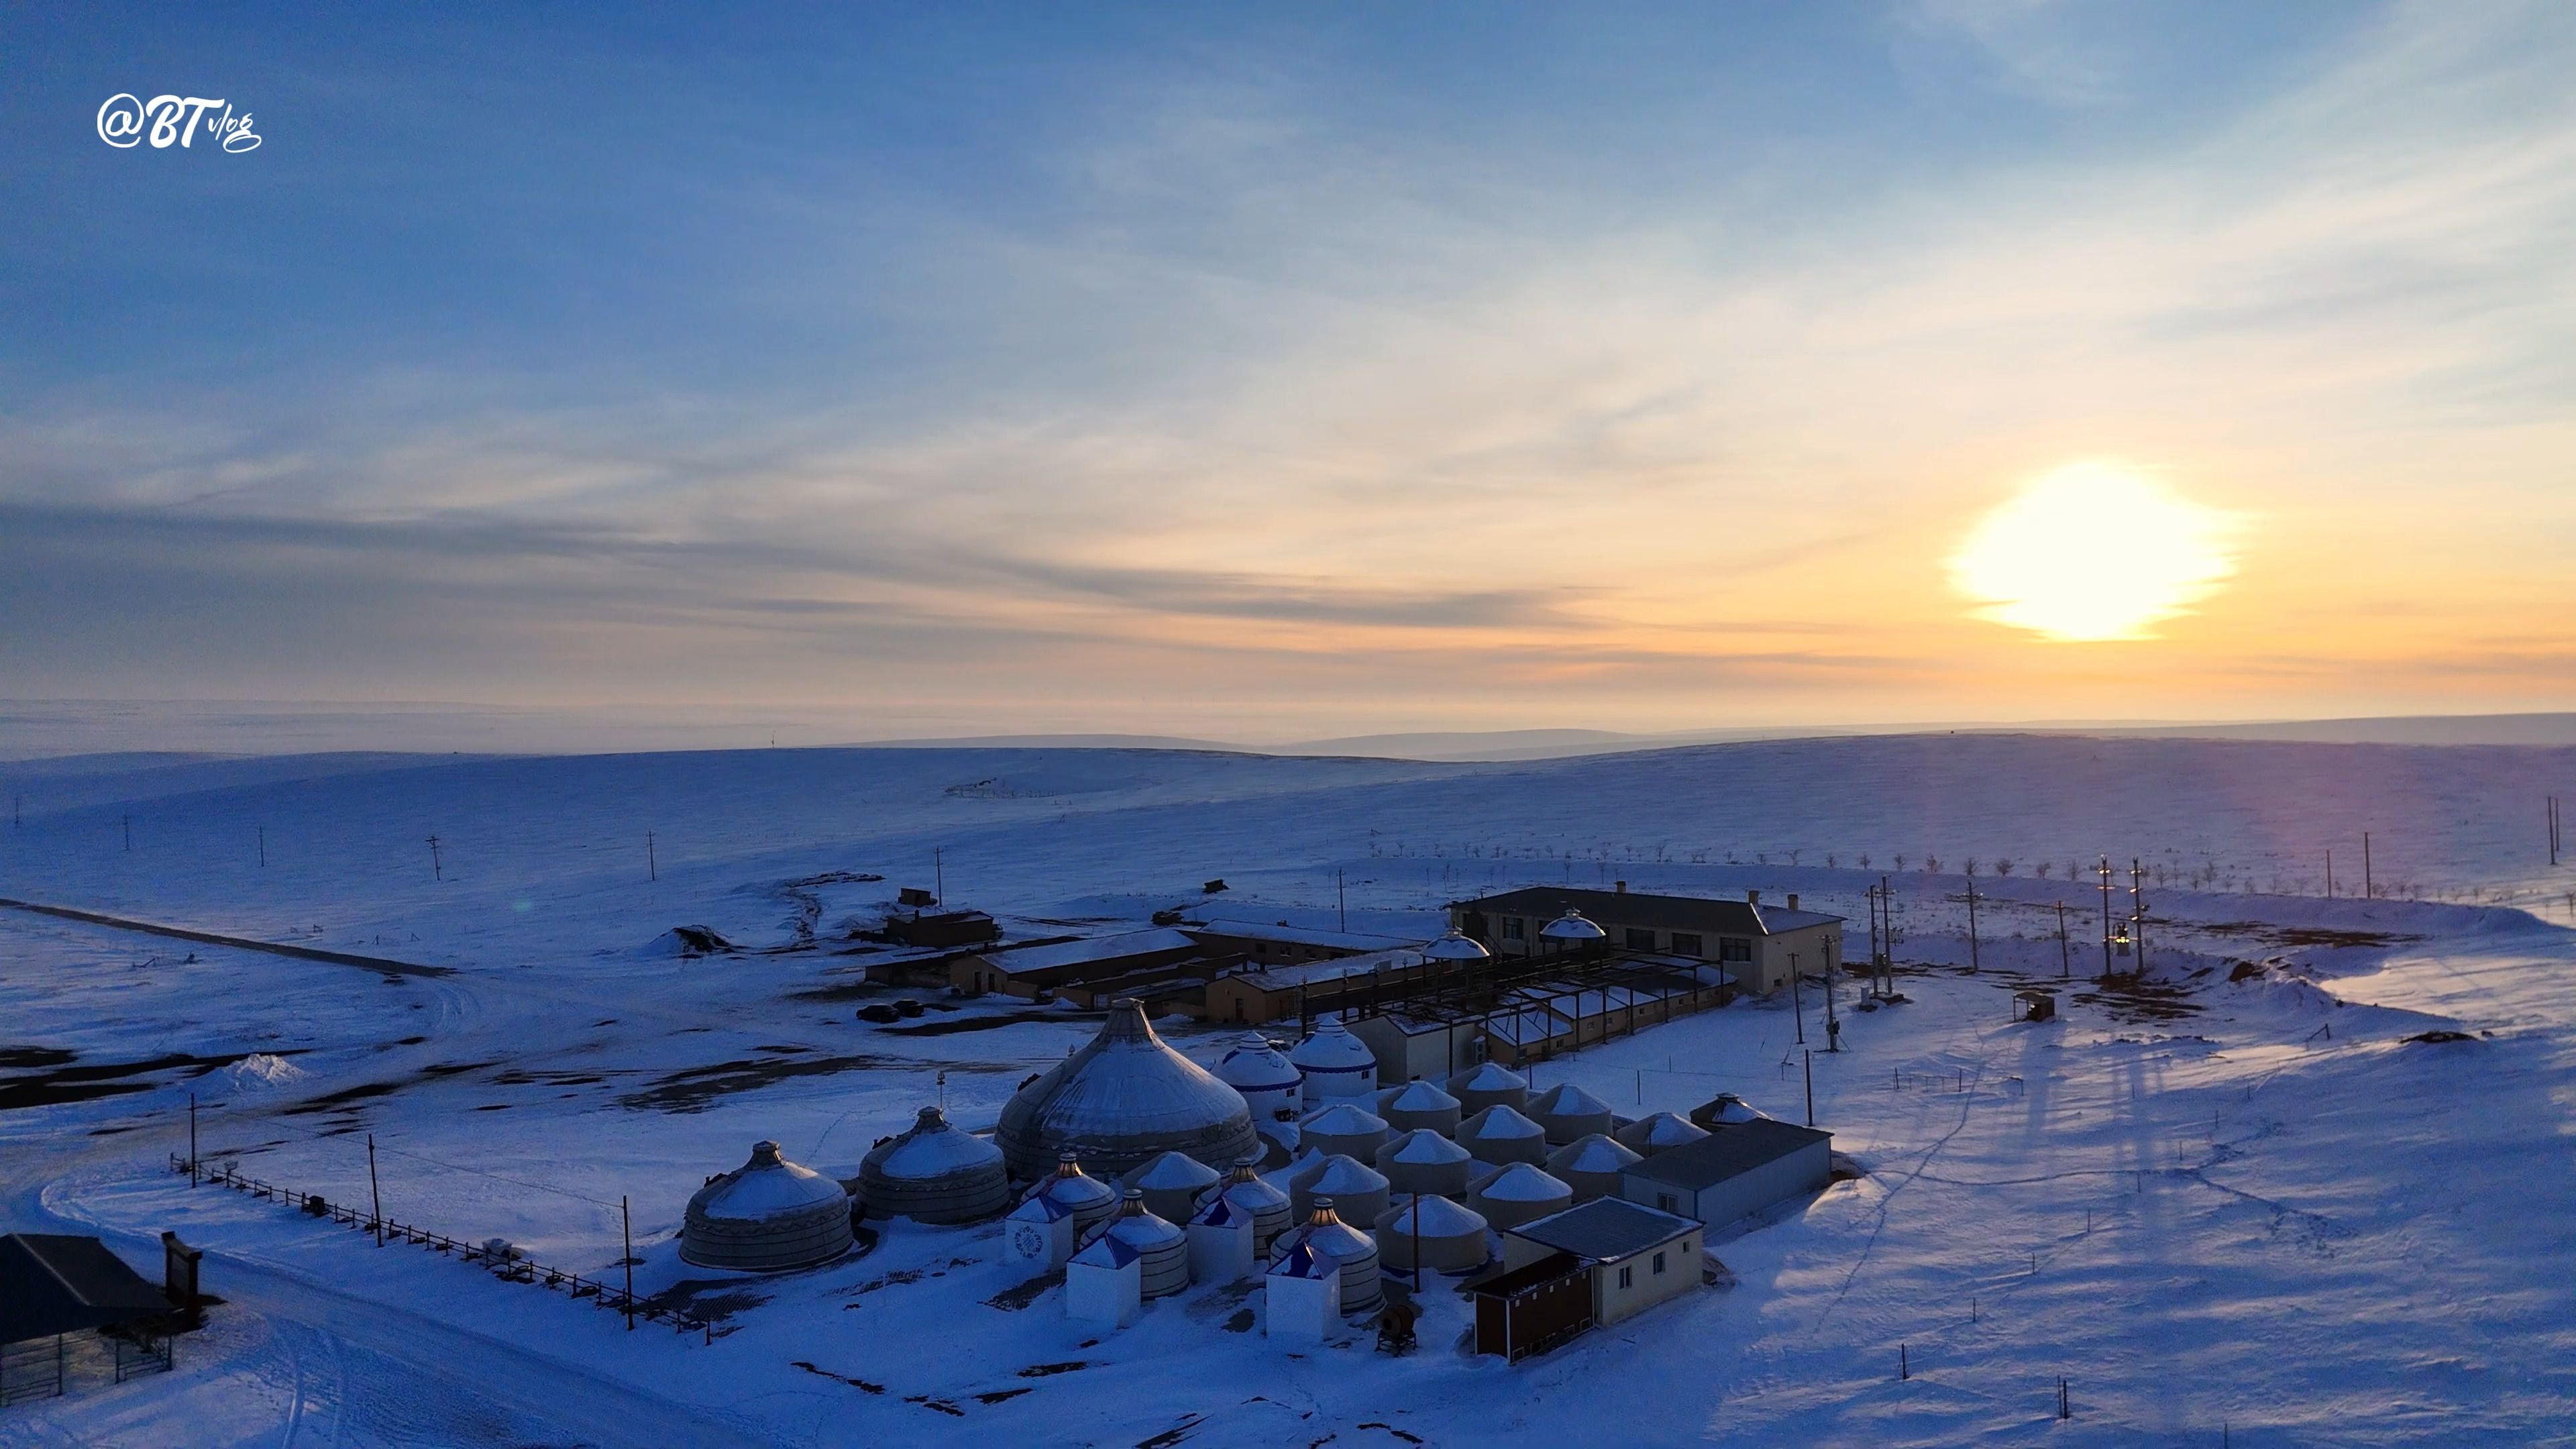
pixel 1729 1150
pixel 1512 1282
pixel 54 1283
pixel 1607 1229
pixel 1636 908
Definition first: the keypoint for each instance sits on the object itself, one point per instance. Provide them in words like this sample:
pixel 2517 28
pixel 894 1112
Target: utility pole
pixel 2553 828
pixel 16 800
pixel 2138 911
pixel 938 875
pixel 436 871
pixel 1797 1005
pixel 192 1139
pixel 1342 910
pixel 2106 918
pixel 2329 875
pixel 375 1195
pixel 652 867
pixel 128 822
pixel 1973 962
pixel 2065 961
pixel 263 847
pixel 627 1219
pixel 2368 891
pixel 1811 1089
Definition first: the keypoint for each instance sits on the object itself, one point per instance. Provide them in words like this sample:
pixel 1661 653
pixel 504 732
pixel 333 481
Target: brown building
pixel 1752 942
pixel 1254 994
pixel 1027 970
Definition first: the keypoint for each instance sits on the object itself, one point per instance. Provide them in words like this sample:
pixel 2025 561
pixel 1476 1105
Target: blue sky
pixel 1325 367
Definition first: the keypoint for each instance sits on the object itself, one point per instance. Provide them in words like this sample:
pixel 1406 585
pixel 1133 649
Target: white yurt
pixel 1724 1110
pixel 1591 1166
pixel 1419 1104
pixel 1424 1161
pixel 1454 949
pixel 1121 1101
pixel 1267 1080
pixel 1500 1135
pixel 1162 1248
pixel 1349 1182
pixel 766 1216
pixel 1452 1238
pixel 1267 1207
pixel 1489 1085
pixel 1518 1194
pixel 1569 1112
pixel 934 1173
pixel 1344 1129
pixel 1172 1184
pixel 1325 1235
pixel 1332 1064
pixel 1660 1133
pixel 1085 1197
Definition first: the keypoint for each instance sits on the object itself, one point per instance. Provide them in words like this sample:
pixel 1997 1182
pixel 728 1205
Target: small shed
pixel 1038 1235
pixel 1221 1242
pixel 1738 1170
pixel 1302 1296
pixel 1103 1283
pixel 1637 1257
pixel 1532 1308
pixel 56 1284
pixel 2034 1004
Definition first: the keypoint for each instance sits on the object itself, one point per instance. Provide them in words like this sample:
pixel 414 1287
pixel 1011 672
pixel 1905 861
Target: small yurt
pixel 1518 1194
pixel 1419 1104
pixel 1162 1248
pixel 1591 1166
pixel 1660 1133
pixel 1332 1064
pixel 1266 1206
pixel 1424 1161
pixel 1500 1135
pixel 1344 1129
pixel 1325 1235
pixel 1352 1184
pixel 1121 1101
pixel 1490 1085
pixel 934 1174
pixel 1452 1238
pixel 1568 1112
pixel 766 1216
pixel 1723 1110
pixel 1087 1198
pixel 1172 1184
pixel 1268 1081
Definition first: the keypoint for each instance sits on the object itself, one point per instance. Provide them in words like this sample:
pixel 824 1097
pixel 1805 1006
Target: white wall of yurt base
pixel 1221 1252
pixel 1110 1295
pixel 1037 1237
pixel 1303 1310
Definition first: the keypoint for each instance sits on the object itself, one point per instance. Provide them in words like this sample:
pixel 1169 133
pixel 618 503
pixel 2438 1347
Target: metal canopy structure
pixel 55 1283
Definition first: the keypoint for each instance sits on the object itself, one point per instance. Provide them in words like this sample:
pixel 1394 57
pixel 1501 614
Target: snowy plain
pixel 2237 1203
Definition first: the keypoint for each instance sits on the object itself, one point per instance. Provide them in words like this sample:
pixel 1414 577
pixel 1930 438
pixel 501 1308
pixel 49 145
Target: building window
pixel 1734 948
pixel 1512 929
pixel 1686 943
pixel 1664 1201
pixel 1640 940
pixel 1659 1264
pixel 1627 1276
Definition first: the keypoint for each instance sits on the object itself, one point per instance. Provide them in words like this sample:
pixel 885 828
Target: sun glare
pixel 2094 551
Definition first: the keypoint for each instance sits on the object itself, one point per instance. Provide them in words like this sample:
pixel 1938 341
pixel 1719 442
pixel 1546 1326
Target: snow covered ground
pixel 2237 1201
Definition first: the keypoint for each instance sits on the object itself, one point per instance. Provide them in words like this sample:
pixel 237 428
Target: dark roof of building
pixel 1637 908
pixel 1727 1151
pixel 54 1283
pixel 1607 1229
pixel 1513 1282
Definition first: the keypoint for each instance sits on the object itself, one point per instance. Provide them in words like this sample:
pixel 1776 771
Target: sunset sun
pixel 2094 551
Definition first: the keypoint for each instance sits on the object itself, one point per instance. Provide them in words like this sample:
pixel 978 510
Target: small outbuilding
pixel 1532 1308
pixel 766 1216
pixel 1636 1256
pixel 1266 1206
pixel 1086 1199
pixel 1325 1235
pixel 1220 1238
pixel 1302 1296
pixel 1103 1284
pixel 1739 1170
pixel 1162 1249
pixel 2034 1005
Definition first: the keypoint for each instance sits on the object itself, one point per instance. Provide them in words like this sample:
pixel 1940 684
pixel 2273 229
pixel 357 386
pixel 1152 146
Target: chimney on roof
pixel 1793 900
pixel 1753 898
pixel 1622 885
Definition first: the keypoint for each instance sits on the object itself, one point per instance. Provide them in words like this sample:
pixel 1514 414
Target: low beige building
pixel 1637 1257
pixel 1755 944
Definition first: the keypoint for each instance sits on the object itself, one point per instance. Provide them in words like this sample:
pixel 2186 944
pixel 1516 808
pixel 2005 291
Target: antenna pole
pixel 192 1139
pixel 375 1194
pixel 1973 962
pixel 436 871
pixel 2368 891
pixel 1341 904
pixel 128 822
pixel 627 1220
pixel 2106 916
pixel 652 867
pixel 2065 961
pixel 1811 1089
pixel 938 875
pixel 1797 1002
pixel 263 847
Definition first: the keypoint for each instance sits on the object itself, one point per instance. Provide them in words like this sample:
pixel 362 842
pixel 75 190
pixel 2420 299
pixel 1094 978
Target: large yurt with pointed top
pixel 1264 1076
pixel 1518 1194
pixel 1500 1135
pixel 1450 1238
pixel 766 1216
pixel 1172 1184
pixel 1424 1161
pixel 1162 1249
pixel 1591 1166
pixel 1328 1238
pixel 1333 1064
pixel 1361 1190
pixel 1121 1101
pixel 1661 1132
pixel 934 1173
pixel 1489 1085
pixel 1419 1104
pixel 1344 1129
pixel 1568 1112
pixel 1085 1198
pixel 1268 1208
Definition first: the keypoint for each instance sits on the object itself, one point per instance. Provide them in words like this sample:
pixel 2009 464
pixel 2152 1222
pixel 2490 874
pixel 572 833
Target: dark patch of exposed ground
pixel 694 1089
pixel 2296 936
